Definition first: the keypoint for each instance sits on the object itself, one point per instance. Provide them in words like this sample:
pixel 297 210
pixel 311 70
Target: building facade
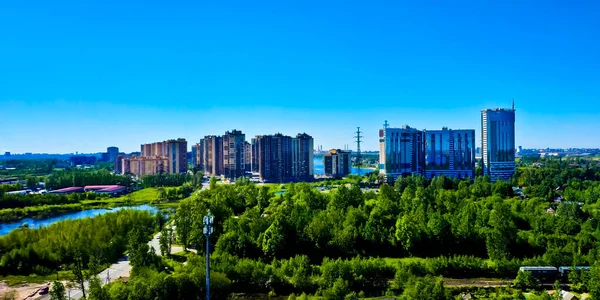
pixel 254 155
pixel 450 153
pixel 112 153
pixel 141 166
pixel 247 157
pixel 274 158
pixel 400 152
pixel 337 163
pixel 303 157
pixel 177 155
pixel 498 143
pixel 212 155
pixel 233 154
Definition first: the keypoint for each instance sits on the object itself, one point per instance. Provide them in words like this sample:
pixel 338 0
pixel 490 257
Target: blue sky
pixel 84 75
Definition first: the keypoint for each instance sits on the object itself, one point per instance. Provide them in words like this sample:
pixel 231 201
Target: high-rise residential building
pixel 177 155
pixel 112 153
pixel 274 157
pixel 233 154
pixel 303 157
pixel 498 143
pixel 450 153
pixel 197 155
pixel 143 165
pixel 337 163
pixel 154 149
pixel 247 157
pixel 118 169
pixel 400 152
pixel 212 155
pixel 254 155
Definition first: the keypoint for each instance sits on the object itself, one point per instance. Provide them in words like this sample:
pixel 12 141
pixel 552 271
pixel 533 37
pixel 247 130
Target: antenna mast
pixel 358 138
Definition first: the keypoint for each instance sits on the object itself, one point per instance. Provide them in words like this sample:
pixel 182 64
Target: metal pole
pixel 207 268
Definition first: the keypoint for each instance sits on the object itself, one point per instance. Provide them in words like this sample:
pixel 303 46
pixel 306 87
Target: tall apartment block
pixel 274 157
pixel 254 155
pixel 337 163
pixel 233 154
pixel 281 158
pixel 212 155
pixel 400 152
pixel 498 143
pixel 247 157
pixel 177 155
pixel 450 153
pixel 303 157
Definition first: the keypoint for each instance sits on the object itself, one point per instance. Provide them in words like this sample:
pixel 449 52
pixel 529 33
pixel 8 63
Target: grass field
pixel 142 196
pixel 12 280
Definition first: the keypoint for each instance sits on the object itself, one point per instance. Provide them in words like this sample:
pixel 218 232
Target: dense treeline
pixel 159 180
pixel 468 229
pixel 44 250
pixel 62 179
pixel 40 212
pixel 305 241
pixel 413 218
pixel 25 167
pixel 20 201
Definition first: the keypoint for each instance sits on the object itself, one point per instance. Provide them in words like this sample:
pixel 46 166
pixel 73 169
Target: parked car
pixel 44 290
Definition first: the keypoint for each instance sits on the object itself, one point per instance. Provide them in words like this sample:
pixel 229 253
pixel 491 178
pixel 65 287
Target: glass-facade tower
pixel 449 152
pixel 498 143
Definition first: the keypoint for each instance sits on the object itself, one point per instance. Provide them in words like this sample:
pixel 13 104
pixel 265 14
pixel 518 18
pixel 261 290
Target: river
pixel 320 168
pixel 37 223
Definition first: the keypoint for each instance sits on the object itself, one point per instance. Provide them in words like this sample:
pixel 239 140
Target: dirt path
pixel 448 282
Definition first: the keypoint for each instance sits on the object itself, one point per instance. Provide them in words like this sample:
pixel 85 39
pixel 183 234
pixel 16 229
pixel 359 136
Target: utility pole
pixel 358 138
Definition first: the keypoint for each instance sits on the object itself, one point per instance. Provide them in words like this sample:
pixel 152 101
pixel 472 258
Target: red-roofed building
pixel 69 190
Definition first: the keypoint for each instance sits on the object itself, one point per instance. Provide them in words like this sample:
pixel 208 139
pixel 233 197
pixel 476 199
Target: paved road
pixel 119 269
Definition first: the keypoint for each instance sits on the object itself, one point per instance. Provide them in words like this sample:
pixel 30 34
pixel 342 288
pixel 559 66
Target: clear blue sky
pixel 84 75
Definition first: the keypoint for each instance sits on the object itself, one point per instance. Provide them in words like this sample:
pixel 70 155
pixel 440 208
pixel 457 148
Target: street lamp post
pixel 208 230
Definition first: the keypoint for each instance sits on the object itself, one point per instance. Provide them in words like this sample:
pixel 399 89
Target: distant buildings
pixel 233 154
pixel 401 152
pixel 449 152
pixel 156 158
pixel 407 151
pixel 303 157
pixel 274 157
pixel 337 163
pixel 112 153
pixel 498 143
pixel 82 160
pixel 211 156
pixel 281 158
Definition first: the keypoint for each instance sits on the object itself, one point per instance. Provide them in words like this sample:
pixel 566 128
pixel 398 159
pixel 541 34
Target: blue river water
pixel 320 168
pixel 37 223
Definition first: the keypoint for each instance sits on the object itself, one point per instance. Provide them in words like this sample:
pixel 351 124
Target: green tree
pixel 183 222
pixel 165 241
pixel 525 280
pixel 31 182
pixel 58 292
pixel 96 290
pixel 77 269
pixel 139 251
pixel 594 281
pixel 273 239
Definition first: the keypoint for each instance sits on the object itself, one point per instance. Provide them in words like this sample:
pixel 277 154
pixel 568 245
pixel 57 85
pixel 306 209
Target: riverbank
pixel 143 196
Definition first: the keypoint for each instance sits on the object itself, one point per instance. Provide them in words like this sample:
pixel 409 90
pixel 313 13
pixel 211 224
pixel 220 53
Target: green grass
pixel 13 280
pixel 395 261
pixel 142 196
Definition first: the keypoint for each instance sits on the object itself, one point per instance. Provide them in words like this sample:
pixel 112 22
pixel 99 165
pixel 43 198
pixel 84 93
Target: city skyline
pixel 83 76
